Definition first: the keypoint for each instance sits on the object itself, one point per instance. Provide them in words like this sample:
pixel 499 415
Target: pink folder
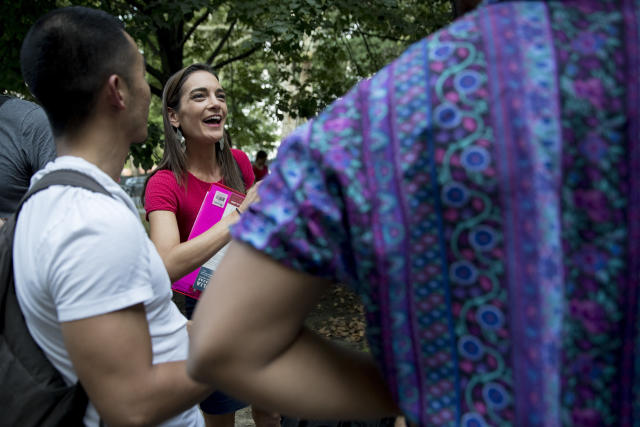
pixel 218 202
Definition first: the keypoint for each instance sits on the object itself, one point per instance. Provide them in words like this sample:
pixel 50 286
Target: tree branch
pixel 153 46
pixel 360 73
pixel 221 43
pixel 193 27
pixel 383 37
pixel 154 72
pixel 138 7
pixel 237 58
pixel 156 91
pixel 366 45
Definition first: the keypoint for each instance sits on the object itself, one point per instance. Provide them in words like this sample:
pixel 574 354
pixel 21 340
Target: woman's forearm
pixel 187 256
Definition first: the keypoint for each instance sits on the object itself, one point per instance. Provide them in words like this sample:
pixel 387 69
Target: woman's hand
pixel 250 198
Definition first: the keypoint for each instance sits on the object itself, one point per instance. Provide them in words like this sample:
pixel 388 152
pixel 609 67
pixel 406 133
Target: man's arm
pixel 112 356
pixel 264 355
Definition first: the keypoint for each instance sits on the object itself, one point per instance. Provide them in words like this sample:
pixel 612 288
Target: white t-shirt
pixel 79 254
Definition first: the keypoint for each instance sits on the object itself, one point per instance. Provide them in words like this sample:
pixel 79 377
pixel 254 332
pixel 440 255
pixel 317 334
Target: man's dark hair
pixel 261 154
pixel 66 58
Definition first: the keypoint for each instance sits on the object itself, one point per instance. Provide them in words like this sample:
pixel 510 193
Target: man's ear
pixel 173 117
pixel 116 92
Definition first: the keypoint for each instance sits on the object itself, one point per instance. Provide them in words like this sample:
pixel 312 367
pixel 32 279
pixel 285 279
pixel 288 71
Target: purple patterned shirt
pixel 482 195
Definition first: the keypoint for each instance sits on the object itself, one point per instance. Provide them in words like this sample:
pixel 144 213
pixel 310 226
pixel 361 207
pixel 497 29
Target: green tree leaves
pixel 277 59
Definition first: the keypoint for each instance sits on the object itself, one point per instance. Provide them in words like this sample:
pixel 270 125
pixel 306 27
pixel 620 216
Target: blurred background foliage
pixel 281 62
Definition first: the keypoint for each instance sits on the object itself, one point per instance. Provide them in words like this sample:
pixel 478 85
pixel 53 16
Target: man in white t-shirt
pixel 93 289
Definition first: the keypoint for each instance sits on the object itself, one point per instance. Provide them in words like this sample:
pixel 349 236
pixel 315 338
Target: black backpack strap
pixel 33 374
pixel 58 177
pixel 66 177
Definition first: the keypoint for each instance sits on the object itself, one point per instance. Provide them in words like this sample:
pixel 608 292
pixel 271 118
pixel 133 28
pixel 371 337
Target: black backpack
pixel 32 391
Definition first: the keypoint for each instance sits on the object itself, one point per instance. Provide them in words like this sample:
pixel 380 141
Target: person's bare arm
pixel 264 355
pixel 182 258
pixel 112 356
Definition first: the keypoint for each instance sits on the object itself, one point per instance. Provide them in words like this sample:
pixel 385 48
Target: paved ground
pixel 243 418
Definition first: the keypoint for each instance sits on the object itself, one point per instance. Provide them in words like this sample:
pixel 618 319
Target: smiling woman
pixel 194 111
pixel 196 155
pixel 200 111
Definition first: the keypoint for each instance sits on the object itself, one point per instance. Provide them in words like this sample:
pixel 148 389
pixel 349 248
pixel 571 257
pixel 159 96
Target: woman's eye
pixel 197 96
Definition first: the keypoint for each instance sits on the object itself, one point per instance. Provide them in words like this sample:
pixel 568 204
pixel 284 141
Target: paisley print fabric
pixel 482 195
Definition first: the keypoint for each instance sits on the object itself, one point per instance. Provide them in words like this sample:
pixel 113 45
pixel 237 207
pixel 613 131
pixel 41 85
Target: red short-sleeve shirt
pixel 260 173
pixel 164 193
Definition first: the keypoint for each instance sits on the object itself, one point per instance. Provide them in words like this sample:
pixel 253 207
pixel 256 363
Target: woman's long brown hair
pixel 174 158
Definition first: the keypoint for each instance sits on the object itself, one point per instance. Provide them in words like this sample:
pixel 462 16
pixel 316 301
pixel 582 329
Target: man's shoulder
pixel 17 107
pixel 62 217
pixel 65 212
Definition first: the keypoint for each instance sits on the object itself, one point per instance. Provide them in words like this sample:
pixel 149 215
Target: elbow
pixel 130 407
pixel 168 258
pixel 140 420
pixel 209 358
pixel 202 364
pixel 129 417
pixel 197 371
pixel 172 271
pixel 173 277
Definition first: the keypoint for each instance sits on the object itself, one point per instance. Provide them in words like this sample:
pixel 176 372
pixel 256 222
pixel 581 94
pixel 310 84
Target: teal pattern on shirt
pixel 482 195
